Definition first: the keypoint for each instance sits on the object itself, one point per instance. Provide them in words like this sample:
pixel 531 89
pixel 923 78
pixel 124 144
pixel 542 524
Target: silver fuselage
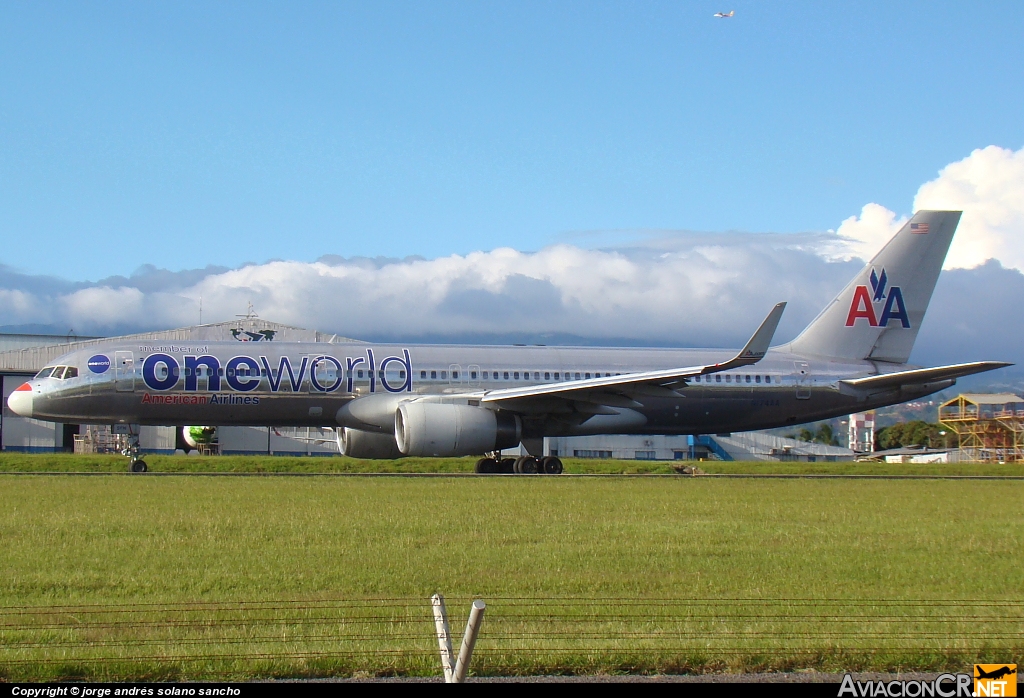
pixel 309 384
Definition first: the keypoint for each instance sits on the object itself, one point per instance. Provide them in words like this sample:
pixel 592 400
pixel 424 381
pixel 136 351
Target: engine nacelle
pixel 435 429
pixel 367 444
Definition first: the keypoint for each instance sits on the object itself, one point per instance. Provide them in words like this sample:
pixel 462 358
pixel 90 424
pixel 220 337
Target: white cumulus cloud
pixel 987 185
pixel 683 288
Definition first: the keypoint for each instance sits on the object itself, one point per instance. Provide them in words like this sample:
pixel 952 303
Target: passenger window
pixel 401 374
pixel 728 378
pixel 767 379
pixel 516 375
pixel 757 379
pixel 748 379
pixel 556 375
pixel 547 375
pixel 433 375
pixel 506 375
pixel 423 375
pixel 455 375
pixel 718 378
pixel 472 375
pixel 359 373
pixel 587 375
pixel 577 375
pixel 444 375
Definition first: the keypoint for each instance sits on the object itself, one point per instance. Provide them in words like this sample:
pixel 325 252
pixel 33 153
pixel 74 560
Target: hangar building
pixel 23 355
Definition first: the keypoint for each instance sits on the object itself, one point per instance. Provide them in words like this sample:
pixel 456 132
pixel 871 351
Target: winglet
pixel 758 345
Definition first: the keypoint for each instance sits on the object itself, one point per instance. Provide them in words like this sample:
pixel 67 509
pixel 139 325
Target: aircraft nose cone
pixel 20 400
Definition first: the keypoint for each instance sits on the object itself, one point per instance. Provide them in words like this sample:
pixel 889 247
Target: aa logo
pixel 995 679
pixel 865 304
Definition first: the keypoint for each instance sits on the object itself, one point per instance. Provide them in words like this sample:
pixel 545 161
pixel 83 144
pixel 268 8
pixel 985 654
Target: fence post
pixel 476 616
pixel 444 636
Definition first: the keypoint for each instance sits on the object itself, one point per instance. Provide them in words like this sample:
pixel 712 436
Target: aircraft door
pixel 124 371
pixel 474 375
pixel 455 375
pixel 802 376
pixel 326 373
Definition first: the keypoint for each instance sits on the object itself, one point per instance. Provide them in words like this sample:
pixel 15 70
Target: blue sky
pixel 187 134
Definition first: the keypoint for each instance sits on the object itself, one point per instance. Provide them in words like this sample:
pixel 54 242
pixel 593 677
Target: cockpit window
pixel 72 372
pixel 45 373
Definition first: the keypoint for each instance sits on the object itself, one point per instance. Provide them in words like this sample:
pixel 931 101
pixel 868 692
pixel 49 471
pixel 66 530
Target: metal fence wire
pixel 396 636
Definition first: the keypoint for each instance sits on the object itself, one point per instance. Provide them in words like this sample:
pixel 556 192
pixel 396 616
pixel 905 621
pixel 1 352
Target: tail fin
pixel 878 314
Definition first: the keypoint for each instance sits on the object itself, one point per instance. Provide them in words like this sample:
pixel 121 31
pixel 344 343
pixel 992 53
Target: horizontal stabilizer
pixel 918 376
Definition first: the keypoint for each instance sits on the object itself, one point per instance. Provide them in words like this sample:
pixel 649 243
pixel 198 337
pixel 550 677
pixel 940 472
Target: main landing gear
pixel 523 465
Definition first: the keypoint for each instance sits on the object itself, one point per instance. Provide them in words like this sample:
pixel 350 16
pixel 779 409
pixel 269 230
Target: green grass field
pixel 143 577
pixel 64 462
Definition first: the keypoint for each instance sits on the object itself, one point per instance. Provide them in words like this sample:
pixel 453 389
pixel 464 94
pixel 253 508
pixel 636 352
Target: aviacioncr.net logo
pixel 864 303
pixel 944 686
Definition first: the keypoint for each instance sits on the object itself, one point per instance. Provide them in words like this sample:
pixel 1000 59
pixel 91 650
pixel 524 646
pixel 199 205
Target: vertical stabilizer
pixel 878 314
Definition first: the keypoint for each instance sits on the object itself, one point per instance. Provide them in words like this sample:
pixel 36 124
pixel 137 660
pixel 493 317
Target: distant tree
pixel 913 433
pixel 806 435
pixel 824 435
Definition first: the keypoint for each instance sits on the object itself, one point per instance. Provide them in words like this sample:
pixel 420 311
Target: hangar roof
pixel 991 398
pixel 29 359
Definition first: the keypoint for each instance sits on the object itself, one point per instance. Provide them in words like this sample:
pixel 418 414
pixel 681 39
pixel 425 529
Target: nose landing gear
pixel 131 449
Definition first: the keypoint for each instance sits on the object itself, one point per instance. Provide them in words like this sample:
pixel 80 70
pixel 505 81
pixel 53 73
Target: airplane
pixel 995 674
pixel 393 400
pixel 725 15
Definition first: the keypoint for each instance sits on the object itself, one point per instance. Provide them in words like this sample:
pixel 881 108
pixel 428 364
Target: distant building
pixel 727 447
pixel 862 432
pixel 987 427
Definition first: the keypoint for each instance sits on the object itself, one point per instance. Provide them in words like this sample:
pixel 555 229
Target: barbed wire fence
pixel 387 636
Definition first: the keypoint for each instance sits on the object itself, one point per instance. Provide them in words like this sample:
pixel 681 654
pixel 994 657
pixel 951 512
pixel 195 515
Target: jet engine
pixel 434 429
pixel 367 444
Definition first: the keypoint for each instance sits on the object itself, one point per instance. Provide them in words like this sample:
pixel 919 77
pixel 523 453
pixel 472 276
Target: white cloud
pixel 864 235
pixel 987 185
pixel 685 289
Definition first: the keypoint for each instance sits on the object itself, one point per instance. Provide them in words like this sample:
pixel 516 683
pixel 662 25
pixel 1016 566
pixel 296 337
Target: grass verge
pixel 185 578
pixel 67 462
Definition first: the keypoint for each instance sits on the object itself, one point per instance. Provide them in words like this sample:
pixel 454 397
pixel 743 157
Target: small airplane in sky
pixel 725 15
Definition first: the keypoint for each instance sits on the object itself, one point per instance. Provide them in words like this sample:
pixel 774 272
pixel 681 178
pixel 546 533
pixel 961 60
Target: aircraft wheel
pixel 139 466
pixel 526 465
pixel 551 465
pixel 506 466
pixel 486 465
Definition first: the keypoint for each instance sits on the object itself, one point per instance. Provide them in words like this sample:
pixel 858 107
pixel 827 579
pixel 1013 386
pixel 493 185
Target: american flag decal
pixel 919 228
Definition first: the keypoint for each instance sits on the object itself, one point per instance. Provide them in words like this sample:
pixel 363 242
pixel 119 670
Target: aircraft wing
pixel 888 381
pixel 753 352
